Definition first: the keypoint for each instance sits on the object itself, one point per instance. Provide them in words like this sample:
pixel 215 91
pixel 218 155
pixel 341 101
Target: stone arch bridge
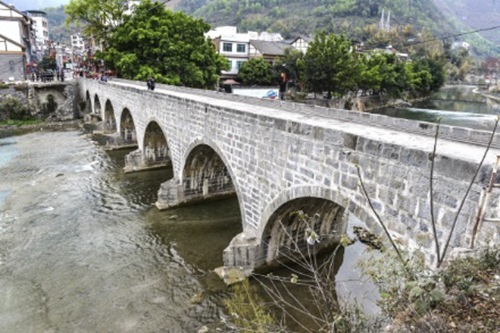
pixel 279 157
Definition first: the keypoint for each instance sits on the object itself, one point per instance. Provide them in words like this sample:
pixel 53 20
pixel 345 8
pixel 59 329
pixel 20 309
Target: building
pixel 301 43
pixel 269 51
pixel 232 45
pixel 130 5
pixel 16 38
pixel 236 46
pixel 41 26
pixel 77 42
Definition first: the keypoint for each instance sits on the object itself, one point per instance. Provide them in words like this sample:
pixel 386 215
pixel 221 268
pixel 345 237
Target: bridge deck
pixel 468 144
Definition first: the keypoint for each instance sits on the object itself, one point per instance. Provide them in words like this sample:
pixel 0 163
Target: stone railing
pixel 453 133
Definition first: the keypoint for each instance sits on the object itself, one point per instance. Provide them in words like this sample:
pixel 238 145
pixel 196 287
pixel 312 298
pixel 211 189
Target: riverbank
pixel 493 97
pixel 41 126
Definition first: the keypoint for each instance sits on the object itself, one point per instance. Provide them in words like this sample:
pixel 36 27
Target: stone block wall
pixel 12 67
pixel 276 152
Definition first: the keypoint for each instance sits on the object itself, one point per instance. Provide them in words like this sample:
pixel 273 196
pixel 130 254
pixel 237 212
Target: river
pixel 454 105
pixel 83 249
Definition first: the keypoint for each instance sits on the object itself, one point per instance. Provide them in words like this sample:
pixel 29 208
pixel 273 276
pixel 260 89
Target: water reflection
pixel 83 249
pixel 455 106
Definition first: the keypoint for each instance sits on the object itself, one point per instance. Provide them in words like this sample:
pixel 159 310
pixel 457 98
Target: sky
pixel 35 4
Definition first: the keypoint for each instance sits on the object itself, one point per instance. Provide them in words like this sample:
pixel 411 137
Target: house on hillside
pixel 269 51
pixel 236 46
pixel 301 43
pixel 16 43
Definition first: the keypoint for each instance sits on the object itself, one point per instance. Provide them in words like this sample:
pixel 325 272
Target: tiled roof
pixel 270 48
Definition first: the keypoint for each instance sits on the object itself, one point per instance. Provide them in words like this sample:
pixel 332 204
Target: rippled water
pixel 82 248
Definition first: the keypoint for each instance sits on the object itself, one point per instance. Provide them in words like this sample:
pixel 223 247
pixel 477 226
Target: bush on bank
pixel 12 108
pixel 460 297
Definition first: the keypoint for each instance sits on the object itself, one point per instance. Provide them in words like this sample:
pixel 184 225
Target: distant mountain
pixel 474 15
pixel 294 17
pixel 35 4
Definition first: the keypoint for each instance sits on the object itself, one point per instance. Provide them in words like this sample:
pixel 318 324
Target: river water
pixel 454 105
pixel 82 248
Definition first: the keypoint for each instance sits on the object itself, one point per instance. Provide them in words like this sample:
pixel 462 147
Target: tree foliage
pixel 47 63
pixel 331 65
pixel 171 47
pixel 291 64
pixel 256 71
pixel 98 17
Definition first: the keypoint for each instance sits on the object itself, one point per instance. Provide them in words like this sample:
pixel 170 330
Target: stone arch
pixel 109 118
pixel 205 174
pixel 283 228
pixel 88 103
pixel 127 127
pixel 155 145
pixel 97 105
pixel 205 142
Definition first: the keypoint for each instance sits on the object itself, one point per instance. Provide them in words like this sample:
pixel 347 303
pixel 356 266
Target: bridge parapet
pixel 276 152
pixel 454 133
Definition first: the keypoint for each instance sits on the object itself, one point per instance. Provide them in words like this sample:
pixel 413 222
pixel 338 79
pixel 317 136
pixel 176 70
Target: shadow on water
pixel 198 234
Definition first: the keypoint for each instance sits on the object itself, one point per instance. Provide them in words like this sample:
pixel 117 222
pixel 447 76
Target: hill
pixel 299 17
pixel 474 15
pixel 291 17
pixel 303 17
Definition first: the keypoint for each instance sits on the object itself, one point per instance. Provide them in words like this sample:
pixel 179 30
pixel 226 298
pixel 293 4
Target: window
pixel 241 48
pixel 227 47
pixel 238 64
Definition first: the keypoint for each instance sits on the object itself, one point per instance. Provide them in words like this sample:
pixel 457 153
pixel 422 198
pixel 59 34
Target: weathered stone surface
pixel 270 153
pixel 55 101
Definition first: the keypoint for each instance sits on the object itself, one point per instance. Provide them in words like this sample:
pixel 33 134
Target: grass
pixel 19 123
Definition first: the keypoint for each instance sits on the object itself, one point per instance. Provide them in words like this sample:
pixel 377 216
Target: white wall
pixel 11 29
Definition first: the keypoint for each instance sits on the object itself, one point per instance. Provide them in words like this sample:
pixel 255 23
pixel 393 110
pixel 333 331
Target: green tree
pixel 98 17
pixel 394 75
pixel 291 64
pixel 169 46
pixel 370 78
pixel 256 71
pixel 331 65
pixel 428 75
pixel 47 63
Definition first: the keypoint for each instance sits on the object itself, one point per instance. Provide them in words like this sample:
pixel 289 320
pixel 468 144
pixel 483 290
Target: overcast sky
pixel 35 4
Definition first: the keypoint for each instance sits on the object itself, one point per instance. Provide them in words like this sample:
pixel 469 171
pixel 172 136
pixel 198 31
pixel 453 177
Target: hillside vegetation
pixel 292 17
pixel 471 15
pixel 299 17
pixel 358 19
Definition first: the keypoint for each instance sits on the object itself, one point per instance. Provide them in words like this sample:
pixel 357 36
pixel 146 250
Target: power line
pixel 159 4
pixel 452 36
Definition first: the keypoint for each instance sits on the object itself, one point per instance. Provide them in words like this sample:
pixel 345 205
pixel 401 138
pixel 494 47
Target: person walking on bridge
pixel 151 83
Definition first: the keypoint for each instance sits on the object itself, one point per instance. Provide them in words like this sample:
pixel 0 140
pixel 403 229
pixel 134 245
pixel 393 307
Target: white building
pixel 16 39
pixel 236 46
pixel 77 42
pixel 301 43
pixel 130 6
pixel 41 25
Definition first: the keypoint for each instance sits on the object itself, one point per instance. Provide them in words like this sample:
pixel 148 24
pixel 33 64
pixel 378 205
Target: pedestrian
pixel 151 83
pixel 282 85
